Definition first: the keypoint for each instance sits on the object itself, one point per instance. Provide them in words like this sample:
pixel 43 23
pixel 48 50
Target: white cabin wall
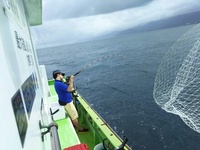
pixel 18 64
pixel 9 131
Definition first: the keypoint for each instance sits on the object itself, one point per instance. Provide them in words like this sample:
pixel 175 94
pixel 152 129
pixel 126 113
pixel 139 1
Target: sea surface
pixel 119 85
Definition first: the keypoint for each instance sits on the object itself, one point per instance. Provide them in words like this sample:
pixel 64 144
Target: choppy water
pixel 121 88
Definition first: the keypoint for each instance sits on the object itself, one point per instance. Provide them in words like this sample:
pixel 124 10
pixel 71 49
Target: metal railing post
pixel 52 128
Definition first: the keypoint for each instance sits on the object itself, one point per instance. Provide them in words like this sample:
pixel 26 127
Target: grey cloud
pixel 80 29
pixel 65 9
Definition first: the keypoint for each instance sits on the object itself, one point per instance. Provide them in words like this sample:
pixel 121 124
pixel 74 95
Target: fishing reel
pixel 67 80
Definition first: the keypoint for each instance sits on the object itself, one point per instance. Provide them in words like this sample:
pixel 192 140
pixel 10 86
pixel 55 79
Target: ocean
pixel 119 85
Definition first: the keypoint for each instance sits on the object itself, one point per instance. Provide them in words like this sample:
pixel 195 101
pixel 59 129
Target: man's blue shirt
pixel 61 89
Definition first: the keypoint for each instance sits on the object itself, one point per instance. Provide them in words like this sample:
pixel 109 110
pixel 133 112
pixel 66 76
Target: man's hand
pixel 72 78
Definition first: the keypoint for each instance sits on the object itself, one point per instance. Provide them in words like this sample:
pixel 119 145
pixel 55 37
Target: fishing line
pixel 43 42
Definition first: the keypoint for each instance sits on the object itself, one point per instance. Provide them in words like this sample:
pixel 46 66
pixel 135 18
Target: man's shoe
pixel 83 131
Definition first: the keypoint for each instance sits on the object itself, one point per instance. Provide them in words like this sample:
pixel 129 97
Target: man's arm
pixel 71 84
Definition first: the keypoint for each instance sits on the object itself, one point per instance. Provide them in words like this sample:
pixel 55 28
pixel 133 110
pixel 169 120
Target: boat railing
pixel 105 133
pixel 52 128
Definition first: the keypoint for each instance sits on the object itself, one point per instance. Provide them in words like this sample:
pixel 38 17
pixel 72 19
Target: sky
pixel 75 21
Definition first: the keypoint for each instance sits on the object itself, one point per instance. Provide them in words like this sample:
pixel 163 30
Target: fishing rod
pixel 68 77
pixel 93 62
pixel 87 66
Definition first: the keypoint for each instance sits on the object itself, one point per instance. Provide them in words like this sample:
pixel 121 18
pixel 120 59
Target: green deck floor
pixel 87 138
pixel 67 134
pixel 69 137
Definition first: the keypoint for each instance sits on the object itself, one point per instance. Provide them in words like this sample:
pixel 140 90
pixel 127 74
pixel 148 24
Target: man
pixel 65 99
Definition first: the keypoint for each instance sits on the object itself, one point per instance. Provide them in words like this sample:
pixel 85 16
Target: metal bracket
pixel 52 113
pixel 48 127
pixel 121 147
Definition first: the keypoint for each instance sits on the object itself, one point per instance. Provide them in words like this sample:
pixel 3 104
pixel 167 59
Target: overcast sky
pixel 72 21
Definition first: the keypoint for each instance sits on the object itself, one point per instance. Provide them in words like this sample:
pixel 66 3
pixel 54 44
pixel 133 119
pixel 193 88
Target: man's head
pixel 58 73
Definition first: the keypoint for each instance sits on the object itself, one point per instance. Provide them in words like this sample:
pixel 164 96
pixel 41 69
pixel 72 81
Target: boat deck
pixel 67 133
pixel 99 130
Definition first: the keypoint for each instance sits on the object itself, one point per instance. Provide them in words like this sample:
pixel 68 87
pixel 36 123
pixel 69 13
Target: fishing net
pixel 177 83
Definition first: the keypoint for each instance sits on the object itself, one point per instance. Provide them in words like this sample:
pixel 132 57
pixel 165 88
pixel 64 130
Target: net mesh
pixel 177 83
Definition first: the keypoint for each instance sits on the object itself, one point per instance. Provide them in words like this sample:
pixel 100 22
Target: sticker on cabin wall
pixel 20 116
pixel 36 80
pixel 22 43
pixel 29 60
pixel 29 93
